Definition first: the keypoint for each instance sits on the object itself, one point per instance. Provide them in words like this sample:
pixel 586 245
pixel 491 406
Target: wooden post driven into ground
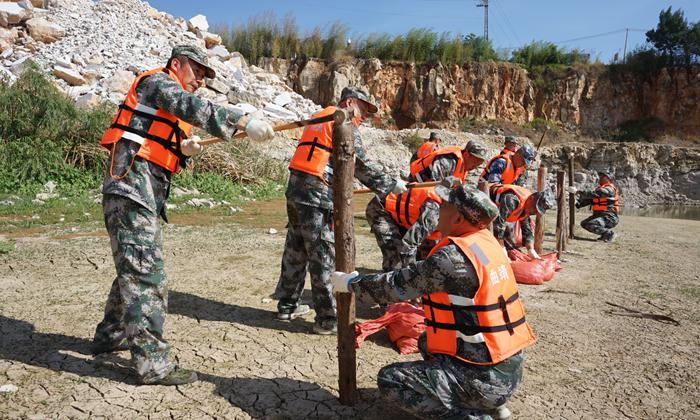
pixel 539 219
pixel 343 175
pixel 560 234
pixel 572 198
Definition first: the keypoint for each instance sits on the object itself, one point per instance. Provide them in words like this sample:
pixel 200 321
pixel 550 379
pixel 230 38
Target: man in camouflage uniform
pixel 493 172
pixel 602 221
pixel 310 239
pixel 508 202
pixel 442 386
pixel 510 145
pixel 401 246
pixel 474 154
pixel 134 195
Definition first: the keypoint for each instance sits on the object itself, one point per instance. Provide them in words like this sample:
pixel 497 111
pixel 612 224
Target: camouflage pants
pixel 600 222
pixel 137 302
pixel 310 244
pixel 444 387
pixel 389 236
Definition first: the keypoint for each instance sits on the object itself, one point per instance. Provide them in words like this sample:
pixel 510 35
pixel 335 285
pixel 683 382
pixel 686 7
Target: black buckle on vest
pixel 314 144
pixel 506 317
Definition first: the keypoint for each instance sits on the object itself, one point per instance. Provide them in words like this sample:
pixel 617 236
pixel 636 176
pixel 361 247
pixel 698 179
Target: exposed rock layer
pixel 592 99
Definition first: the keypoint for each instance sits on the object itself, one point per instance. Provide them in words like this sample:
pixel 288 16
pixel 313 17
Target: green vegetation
pixel 412 141
pixel 541 53
pixel 6 247
pixel 43 137
pixel 674 41
pixel 265 36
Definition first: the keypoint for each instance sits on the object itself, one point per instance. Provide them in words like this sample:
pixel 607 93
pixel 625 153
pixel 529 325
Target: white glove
pixel 258 130
pixel 533 253
pixel 399 187
pixel 571 190
pixel 340 281
pixel 505 251
pixel 191 146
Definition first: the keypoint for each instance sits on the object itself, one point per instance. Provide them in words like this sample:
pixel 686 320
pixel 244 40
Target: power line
pixel 617 31
pixel 507 21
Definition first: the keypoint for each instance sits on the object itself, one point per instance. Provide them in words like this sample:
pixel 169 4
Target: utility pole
pixel 624 52
pixel 485 5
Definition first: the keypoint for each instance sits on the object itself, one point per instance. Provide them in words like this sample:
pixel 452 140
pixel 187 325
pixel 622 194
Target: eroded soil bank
pixel 593 360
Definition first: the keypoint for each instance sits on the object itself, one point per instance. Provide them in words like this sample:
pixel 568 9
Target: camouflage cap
pixel 434 135
pixel 476 148
pixel 474 205
pixel 606 172
pixel 545 201
pixel 528 153
pixel 195 54
pixel 358 93
pixel 510 140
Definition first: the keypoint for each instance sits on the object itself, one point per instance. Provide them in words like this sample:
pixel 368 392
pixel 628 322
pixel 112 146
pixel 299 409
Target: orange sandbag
pixel 528 270
pixel 404 323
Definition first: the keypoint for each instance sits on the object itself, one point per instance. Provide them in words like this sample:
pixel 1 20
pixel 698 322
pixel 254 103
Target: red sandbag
pixel 528 270
pixel 518 232
pixel 404 323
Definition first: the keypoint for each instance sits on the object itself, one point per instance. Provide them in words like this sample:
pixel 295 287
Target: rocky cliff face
pixel 591 99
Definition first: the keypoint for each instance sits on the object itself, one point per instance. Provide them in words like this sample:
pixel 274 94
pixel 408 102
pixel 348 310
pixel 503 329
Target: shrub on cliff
pixel 541 53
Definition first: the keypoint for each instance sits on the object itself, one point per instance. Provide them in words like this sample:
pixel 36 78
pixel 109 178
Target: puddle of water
pixel 664 212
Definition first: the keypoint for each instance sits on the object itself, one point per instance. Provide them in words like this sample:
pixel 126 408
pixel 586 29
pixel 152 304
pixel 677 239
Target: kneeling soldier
pixel 476 330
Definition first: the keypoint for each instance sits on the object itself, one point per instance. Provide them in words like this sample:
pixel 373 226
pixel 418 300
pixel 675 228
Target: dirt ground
pixel 592 360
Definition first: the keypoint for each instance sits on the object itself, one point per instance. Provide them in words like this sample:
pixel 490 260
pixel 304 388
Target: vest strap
pixel 314 144
pixel 473 329
pixel 465 305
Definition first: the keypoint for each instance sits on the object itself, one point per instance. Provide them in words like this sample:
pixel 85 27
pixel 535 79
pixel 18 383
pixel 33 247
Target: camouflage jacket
pixel 447 270
pixel 311 190
pixel 147 183
pixel 495 171
pixel 585 197
pixel 425 225
pixel 507 204
pixel 442 167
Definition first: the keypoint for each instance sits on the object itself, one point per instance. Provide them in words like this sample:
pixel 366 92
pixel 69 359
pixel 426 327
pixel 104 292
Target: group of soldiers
pixel 435 241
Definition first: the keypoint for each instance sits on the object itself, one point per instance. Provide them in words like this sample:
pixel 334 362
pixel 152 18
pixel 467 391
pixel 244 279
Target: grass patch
pixel 412 141
pixel 7 247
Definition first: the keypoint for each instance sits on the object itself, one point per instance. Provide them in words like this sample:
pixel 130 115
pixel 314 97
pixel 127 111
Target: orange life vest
pixel 606 203
pixel 315 147
pixel 522 193
pixel 161 144
pixel 426 148
pixel 420 168
pixel 500 325
pixel 405 207
pixel 510 172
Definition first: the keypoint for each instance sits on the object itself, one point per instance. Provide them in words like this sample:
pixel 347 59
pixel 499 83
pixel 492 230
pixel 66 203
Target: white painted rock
pixel 276 112
pixel 198 22
pixel 8 389
pixel 73 77
pixel 119 82
pixel 12 14
pixel 244 108
pixel 283 99
pixel 220 51
pixel 42 30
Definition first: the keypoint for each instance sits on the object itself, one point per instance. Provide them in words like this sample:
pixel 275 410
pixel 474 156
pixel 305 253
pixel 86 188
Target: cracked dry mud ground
pixel 588 363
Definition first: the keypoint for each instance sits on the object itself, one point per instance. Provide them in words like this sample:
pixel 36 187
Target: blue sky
pixel 512 23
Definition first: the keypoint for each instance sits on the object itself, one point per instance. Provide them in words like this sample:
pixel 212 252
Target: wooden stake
pixel 343 175
pixel 572 198
pixel 539 219
pixel 561 213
